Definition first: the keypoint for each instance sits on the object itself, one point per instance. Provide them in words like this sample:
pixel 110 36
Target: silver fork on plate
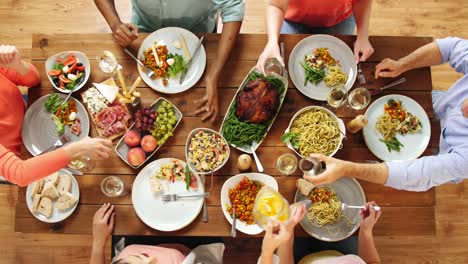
pixel 148 71
pixel 175 197
pixel 60 142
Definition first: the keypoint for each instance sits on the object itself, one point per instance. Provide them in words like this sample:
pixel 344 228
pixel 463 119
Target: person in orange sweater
pixel 13 72
pixel 337 17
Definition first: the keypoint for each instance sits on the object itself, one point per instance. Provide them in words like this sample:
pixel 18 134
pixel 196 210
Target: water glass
pixel 272 65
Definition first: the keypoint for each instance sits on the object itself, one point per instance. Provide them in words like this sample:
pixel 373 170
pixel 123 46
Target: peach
pixel 149 143
pixel 132 138
pixel 136 156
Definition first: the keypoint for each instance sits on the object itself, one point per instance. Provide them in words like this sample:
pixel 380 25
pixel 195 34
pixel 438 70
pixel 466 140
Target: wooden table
pixel 404 213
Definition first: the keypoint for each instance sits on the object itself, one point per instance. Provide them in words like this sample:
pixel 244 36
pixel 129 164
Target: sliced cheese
pixel 108 91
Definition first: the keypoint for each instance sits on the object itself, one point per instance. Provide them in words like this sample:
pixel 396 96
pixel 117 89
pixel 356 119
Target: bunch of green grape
pixel 164 123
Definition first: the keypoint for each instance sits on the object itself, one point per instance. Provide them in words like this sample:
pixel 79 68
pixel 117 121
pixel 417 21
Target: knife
pixel 189 63
pixel 149 72
pixel 377 91
pixel 73 171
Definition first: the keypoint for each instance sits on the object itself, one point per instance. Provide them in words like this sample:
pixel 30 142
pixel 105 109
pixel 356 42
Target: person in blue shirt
pixel 451 107
pixel 194 15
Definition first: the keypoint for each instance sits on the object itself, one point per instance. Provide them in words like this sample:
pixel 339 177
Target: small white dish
pixel 82 58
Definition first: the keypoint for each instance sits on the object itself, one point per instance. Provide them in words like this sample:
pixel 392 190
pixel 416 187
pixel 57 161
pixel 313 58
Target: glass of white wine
pixel 113 186
pixel 337 97
pixel 107 62
pixel 286 163
pixel 359 98
pixel 83 164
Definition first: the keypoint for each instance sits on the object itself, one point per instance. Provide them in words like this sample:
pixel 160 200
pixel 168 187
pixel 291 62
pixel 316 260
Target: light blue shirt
pixel 451 164
pixel 193 15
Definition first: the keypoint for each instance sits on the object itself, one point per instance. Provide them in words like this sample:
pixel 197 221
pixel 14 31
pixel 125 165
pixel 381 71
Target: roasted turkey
pixel 257 102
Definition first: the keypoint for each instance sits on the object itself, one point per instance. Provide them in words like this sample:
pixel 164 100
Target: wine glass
pixel 359 98
pixel 286 163
pixel 113 186
pixel 337 97
pixel 107 62
pixel 83 163
pixel 272 65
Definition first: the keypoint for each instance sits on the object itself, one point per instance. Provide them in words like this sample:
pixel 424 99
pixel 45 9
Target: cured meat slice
pixel 76 127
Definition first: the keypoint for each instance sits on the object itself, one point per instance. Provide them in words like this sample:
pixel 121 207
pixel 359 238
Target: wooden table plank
pixel 417 79
pixel 247 47
pixel 394 221
pixel 90 192
pixel 293 102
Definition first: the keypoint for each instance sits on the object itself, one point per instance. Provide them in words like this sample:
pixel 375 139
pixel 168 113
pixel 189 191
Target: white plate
pixel 414 144
pixel 82 58
pixel 338 50
pixel 348 191
pixel 153 211
pixel 195 72
pixel 57 215
pixel 308 108
pixel 39 132
pixel 230 184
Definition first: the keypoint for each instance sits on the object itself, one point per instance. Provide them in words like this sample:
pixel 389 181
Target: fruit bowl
pixel 136 147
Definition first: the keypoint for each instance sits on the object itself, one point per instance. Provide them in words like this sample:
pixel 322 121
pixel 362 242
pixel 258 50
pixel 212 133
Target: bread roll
pixel 45 207
pixel 36 200
pixel 50 191
pixel 64 184
pixel 304 187
pixel 54 178
pixel 65 201
pixel 37 188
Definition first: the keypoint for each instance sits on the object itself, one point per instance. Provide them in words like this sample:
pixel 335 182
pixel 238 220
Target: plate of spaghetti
pixel 398 128
pixel 166 52
pixel 239 192
pixel 314 130
pixel 319 63
pixel 324 219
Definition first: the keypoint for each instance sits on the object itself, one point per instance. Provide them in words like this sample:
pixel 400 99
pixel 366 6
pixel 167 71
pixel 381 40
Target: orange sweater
pixel 12 110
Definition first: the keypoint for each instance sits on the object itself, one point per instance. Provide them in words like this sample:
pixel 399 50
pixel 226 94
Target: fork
pixel 345 206
pixel 175 197
pixel 360 75
pixel 148 72
pixel 60 142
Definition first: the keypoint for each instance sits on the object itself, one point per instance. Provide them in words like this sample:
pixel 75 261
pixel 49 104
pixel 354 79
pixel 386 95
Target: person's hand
pixel 208 105
pixel 275 235
pixel 95 148
pixel 103 224
pixel 362 49
pixel 389 68
pixel 271 51
pixel 298 211
pixel 9 56
pixel 124 33
pixel 369 217
pixel 335 170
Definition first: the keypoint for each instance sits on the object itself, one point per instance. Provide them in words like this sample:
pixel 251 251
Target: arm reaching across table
pixel 362 47
pixel 232 13
pixel 24 172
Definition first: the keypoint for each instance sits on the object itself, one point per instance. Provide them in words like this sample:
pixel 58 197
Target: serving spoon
pixel 257 161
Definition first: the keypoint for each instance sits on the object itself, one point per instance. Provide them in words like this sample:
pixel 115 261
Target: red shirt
pixel 12 110
pixel 319 13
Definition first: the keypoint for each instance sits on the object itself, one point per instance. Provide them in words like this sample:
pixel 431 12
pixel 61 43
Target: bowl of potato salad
pixel 206 150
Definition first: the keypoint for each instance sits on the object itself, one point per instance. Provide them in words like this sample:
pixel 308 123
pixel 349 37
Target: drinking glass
pixel 113 186
pixel 83 163
pixel 359 98
pixel 107 62
pixel 286 163
pixel 310 166
pixel 270 205
pixel 272 65
pixel 337 97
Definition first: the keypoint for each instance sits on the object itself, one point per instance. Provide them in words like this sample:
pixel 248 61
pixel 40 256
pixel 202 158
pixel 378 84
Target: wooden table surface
pixel 404 213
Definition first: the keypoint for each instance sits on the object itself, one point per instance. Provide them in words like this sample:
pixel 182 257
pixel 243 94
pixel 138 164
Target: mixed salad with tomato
pixel 63 114
pixel 67 73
